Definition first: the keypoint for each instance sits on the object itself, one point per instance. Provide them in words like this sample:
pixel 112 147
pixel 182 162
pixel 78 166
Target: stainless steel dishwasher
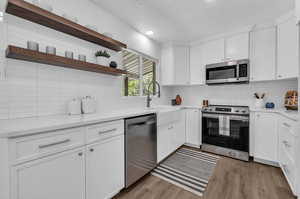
pixel 140 147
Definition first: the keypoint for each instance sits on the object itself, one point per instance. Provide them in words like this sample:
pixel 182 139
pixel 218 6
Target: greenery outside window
pixel 142 71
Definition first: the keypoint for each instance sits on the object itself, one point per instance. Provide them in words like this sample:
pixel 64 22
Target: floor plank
pixel 232 179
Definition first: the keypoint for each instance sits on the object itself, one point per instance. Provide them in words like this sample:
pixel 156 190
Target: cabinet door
pixel 263 54
pixel 167 66
pixel 180 129
pixel 197 68
pixel 287 55
pixel 266 136
pixel 181 63
pixel 60 176
pixel 213 52
pixel 192 127
pixel 163 142
pixel 105 168
pixel 237 47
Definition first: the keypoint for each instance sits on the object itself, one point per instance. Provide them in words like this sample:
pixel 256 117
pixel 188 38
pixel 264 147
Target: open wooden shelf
pixel 43 17
pixel 43 58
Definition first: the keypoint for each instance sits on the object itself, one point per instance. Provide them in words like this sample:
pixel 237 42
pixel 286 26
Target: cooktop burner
pixel 226 109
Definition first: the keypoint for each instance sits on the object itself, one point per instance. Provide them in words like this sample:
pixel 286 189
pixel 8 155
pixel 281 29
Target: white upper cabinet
pixel 263 54
pixel 181 63
pixel 287 54
pixel 237 47
pixel 197 68
pixel 175 65
pixel 233 47
pixel 167 66
pixel 213 51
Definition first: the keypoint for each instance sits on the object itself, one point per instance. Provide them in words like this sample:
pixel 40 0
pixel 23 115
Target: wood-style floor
pixel 232 179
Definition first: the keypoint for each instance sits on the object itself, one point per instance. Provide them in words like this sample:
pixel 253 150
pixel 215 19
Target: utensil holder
pixel 259 103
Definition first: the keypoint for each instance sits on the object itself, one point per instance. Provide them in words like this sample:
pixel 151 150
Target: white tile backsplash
pixel 237 94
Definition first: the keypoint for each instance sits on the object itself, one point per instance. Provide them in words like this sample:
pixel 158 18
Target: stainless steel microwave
pixel 228 72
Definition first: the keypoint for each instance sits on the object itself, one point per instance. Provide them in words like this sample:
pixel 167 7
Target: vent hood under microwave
pixel 228 72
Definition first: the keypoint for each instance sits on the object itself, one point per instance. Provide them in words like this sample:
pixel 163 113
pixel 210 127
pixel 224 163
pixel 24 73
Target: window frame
pixel 141 67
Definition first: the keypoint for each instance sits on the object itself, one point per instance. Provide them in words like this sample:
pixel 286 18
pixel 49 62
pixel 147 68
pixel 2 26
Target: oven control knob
pixel 237 111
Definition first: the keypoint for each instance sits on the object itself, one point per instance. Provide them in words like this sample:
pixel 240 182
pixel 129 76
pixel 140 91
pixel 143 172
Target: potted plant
pixel 102 57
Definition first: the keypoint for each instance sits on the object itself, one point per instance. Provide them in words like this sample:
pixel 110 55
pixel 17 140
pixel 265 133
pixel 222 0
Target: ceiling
pixel 188 20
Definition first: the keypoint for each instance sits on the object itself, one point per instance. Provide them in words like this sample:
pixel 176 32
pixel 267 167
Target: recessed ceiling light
pixel 1 14
pixel 149 32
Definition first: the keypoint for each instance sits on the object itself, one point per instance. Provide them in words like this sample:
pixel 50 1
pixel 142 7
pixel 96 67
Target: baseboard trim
pixel 267 162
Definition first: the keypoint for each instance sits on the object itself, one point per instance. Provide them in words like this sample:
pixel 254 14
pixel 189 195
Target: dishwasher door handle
pixel 143 123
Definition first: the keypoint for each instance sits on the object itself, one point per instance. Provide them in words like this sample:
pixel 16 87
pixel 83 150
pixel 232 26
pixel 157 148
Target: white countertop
pixel 28 126
pixel 11 128
pixel 293 115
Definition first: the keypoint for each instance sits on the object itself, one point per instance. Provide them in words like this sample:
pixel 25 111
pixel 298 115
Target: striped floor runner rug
pixel 188 169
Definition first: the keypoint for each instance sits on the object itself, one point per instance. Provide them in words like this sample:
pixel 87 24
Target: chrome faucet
pixel 148 92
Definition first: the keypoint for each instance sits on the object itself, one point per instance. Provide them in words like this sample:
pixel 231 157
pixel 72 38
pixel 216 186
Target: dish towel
pixel 224 125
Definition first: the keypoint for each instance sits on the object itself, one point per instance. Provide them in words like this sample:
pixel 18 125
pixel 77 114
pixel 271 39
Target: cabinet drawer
pixel 287 140
pixel 36 146
pixel 168 117
pixel 290 124
pixel 104 130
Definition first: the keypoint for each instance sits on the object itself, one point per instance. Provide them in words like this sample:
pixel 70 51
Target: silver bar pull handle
pixel 107 131
pixel 54 144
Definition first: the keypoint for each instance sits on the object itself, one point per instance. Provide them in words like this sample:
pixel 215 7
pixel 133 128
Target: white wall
pixel 30 89
pixel 241 94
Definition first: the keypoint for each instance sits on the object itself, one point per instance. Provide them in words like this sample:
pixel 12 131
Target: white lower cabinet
pixel 59 176
pixel 265 137
pixel 287 151
pixel 105 168
pixel 79 163
pixel 170 133
pixel 193 127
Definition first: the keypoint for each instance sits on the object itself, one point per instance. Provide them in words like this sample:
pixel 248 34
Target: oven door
pixel 235 137
pixel 221 73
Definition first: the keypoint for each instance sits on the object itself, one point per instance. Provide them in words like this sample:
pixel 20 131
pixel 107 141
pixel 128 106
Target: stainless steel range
pixel 225 130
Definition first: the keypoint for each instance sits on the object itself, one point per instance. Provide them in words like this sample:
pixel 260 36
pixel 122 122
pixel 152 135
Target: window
pixel 142 71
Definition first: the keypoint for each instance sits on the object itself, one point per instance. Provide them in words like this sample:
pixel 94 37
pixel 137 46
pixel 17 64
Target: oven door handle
pixel 231 117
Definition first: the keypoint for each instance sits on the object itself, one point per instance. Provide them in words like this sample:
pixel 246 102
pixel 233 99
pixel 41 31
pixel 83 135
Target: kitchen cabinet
pixel 175 65
pixel 193 127
pixel 170 133
pixel 287 150
pixel 263 54
pixel 197 68
pixel 213 51
pixel 233 47
pixel 105 173
pixel 80 163
pixel 237 47
pixel 265 137
pixel 287 48
pixel 59 176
